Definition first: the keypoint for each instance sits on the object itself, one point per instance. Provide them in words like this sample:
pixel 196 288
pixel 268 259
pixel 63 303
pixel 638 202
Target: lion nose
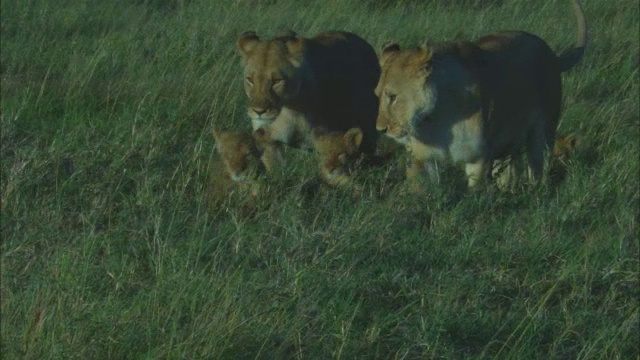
pixel 259 111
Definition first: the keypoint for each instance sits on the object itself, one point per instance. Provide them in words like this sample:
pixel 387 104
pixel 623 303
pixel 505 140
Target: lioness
pixel 295 85
pixel 475 102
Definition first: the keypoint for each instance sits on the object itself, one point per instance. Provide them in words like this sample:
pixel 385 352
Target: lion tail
pixel 572 57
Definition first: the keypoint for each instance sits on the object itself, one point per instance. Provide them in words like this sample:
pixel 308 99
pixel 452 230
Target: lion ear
pixel 572 140
pixel 354 137
pixel 261 136
pixel 425 54
pixel 295 47
pixel 387 49
pixel 258 141
pixel 247 42
pixel 260 133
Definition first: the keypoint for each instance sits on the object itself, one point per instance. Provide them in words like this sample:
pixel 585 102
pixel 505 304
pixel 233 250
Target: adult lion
pixel 297 87
pixel 475 102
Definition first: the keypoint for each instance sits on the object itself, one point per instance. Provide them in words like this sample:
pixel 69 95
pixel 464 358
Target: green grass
pixel 110 249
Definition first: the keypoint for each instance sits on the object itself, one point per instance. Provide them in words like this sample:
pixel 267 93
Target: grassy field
pixel 111 250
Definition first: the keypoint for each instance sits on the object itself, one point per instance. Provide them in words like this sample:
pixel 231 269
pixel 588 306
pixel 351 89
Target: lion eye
pixel 392 98
pixel 249 80
pixel 278 81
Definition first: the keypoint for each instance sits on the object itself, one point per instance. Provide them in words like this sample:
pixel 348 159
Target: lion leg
pixel 414 173
pixel 272 158
pixel 417 169
pixel 502 173
pixel 476 173
pixel 506 172
pixel 536 146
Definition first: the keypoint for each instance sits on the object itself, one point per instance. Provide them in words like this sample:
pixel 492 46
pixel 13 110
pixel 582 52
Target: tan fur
pixel 474 102
pixel 240 154
pixel 563 150
pixel 243 156
pixel 338 153
pixel 297 85
pixel 564 147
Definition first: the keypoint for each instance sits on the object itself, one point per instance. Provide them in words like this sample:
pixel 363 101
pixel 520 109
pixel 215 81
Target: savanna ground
pixel 110 248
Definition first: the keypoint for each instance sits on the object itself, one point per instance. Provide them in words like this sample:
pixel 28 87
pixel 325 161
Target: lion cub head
pixel 564 147
pixel 240 152
pixel 405 92
pixel 272 73
pixel 563 150
pixel 338 153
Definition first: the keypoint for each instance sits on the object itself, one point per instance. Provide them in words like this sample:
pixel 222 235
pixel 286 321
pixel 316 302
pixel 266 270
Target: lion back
pixel 521 85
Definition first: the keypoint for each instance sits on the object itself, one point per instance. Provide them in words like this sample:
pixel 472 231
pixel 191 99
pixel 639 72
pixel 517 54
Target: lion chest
pixel 289 127
pixel 459 142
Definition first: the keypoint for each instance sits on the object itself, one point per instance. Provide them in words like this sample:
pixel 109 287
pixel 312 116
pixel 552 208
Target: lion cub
pixel 243 158
pixel 342 163
pixel 339 153
pixel 564 148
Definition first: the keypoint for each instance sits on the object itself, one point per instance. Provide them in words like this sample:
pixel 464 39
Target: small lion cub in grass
pixel 339 154
pixel 563 150
pixel 244 157
pixel 342 160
